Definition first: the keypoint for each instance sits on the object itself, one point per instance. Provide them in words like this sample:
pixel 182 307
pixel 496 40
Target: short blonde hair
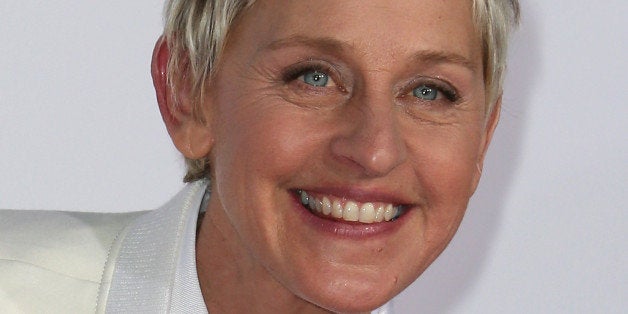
pixel 197 31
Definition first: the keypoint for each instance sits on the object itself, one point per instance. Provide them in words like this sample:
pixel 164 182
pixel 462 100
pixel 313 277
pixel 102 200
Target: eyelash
pixel 450 93
pixel 295 71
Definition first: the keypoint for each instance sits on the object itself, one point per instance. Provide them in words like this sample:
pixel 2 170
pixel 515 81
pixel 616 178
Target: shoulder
pixel 77 262
pixel 46 256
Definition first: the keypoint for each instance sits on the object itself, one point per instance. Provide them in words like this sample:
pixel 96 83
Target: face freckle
pixel 327 186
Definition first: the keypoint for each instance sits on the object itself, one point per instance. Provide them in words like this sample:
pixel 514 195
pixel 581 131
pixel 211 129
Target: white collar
pixel 155 271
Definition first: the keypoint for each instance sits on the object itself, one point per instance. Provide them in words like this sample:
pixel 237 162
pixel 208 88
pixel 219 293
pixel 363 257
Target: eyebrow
pixel 439 57
pixel 332 44
pixel 326 43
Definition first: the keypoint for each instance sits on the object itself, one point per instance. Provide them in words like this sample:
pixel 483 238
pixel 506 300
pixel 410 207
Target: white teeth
pixel 351 211
pixel 379 213
pixel 389 212
pixel 367 213
pixel 337 210
pixel 326 206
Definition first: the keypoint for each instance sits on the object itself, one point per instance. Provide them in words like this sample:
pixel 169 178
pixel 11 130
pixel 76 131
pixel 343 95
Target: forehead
pixel 380 28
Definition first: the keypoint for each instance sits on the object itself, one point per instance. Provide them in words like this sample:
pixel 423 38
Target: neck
pixel 232 280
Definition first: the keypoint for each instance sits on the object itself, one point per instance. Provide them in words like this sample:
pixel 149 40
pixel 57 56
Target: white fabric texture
pixel 155 271
pixel 52 262
pixel 104 263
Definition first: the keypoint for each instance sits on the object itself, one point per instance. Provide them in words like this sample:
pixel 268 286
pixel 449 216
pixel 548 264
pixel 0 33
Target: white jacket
pixel 71 262
pixel 75 262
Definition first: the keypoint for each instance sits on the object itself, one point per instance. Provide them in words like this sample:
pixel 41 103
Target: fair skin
pixel 363 103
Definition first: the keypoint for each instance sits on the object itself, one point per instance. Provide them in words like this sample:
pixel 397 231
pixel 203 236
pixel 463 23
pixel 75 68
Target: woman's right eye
pixel 316 78
pixel 426 92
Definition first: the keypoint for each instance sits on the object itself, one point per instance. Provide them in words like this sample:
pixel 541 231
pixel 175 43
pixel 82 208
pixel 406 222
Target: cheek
pixel 258 149
pixel 445 165
pixel 447 158
pixel 268 143
pixel 261 149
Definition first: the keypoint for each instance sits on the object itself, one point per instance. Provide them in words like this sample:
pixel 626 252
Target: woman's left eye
pixel 426 92
pixel 315 78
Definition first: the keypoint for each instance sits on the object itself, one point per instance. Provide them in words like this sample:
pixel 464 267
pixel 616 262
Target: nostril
pixel 369 157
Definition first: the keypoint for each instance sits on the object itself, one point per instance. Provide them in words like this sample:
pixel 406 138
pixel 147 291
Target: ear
pixel 489 129
pixel 189 135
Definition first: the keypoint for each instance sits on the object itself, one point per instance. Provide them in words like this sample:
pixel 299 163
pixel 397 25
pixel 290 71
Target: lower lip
pixel 345 229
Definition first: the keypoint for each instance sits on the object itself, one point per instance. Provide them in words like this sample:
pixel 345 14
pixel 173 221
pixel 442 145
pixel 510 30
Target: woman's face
pixel 374 111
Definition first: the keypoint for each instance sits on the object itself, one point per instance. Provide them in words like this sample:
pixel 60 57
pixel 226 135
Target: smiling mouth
pixel 331 207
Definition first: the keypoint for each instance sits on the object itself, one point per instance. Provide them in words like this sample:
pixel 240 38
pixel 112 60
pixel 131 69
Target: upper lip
pixel 361 195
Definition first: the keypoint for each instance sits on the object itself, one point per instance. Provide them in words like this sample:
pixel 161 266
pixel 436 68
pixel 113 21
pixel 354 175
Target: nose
pixel 371 142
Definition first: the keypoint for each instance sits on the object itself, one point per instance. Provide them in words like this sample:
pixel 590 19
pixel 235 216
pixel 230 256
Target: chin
pixel 352 300
pixel 346 289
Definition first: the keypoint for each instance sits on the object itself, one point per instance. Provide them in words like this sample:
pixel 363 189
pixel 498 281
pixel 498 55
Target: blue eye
pixel 425 92
pixel 315 78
